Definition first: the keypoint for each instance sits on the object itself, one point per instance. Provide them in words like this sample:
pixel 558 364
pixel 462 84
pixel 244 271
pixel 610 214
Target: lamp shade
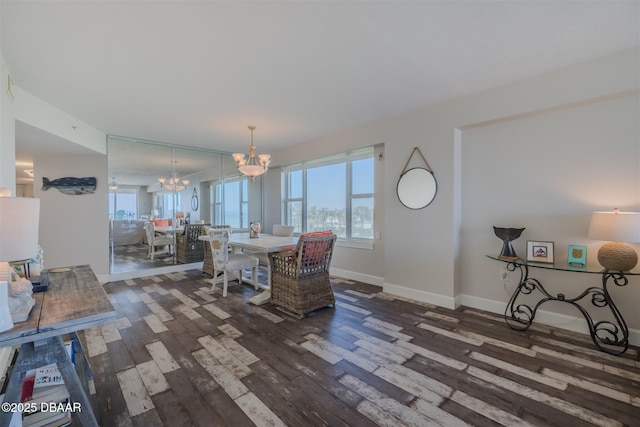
pixel 617 228
pixel 19 224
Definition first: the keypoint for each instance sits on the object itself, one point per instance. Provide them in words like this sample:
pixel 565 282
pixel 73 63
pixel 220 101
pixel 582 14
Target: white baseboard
pixel 562 321
pixel 571 323
pixel 428 297
pixel 352 275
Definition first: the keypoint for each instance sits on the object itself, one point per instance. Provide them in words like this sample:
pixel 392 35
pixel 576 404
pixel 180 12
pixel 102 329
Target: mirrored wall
pixel 173 188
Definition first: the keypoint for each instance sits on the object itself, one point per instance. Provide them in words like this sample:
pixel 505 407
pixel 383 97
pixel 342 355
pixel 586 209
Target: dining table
pixel 168 229
pixel 265 243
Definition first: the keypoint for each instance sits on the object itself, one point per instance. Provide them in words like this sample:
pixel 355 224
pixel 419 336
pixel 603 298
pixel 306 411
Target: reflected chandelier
pixel 173 183
pixel 252 165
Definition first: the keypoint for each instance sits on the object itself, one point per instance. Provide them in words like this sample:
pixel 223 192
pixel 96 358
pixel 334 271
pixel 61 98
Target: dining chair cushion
pixel 319 247
pixel 316 233
pixel 240 261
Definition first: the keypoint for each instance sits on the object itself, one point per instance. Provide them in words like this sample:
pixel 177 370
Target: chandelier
pixel 252 165
pixel 173 183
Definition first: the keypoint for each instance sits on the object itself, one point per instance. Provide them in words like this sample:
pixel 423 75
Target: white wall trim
pixel 360 277
pixel 418 295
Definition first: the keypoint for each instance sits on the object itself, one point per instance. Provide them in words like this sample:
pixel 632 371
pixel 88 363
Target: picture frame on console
pixel 540 252
pixel 577 256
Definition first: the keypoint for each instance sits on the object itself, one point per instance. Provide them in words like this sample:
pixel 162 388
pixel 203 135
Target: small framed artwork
pixel 540 251
pixel 577 255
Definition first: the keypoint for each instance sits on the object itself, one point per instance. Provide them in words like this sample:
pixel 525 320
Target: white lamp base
pixel 6 322
pixel 23 313
pixel 617 256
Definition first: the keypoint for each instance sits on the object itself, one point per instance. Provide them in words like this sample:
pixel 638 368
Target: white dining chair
pixel 154 240
pixel 282 230
pixel 227 262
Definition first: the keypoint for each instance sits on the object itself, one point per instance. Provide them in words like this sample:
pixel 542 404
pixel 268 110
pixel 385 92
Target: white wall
pixel 367 265
pixel 422 249
pixel 44 116
pixel 74 229
pixel 7 132
pixel 548 173
pixel 425 254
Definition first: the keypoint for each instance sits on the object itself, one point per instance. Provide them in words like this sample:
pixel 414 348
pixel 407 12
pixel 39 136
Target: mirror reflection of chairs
pixel 188 248
pixel 154 240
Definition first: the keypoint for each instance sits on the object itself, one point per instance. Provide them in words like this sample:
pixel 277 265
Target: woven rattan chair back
pixel 300 279
pixel 188 248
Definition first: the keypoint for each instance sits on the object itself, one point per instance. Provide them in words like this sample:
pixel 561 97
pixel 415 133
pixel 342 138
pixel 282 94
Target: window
pixel 231 203
pixel 335 194
pixel 165 204
pixel 123 204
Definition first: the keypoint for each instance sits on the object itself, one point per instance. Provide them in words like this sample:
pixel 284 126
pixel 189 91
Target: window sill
pixel 354 244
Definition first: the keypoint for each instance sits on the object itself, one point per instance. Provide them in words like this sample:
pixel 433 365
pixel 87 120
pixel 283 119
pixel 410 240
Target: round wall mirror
pixel 194 200
pixel 416 188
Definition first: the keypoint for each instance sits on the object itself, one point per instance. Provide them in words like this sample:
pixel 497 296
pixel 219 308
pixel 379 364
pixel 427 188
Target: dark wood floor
pixel 181 356
pixel 135 257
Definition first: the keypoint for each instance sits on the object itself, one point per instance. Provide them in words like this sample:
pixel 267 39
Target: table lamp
pixel 619 229
pixel 19 222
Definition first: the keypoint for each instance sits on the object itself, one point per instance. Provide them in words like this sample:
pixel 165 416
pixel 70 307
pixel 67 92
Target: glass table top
pixel 589 268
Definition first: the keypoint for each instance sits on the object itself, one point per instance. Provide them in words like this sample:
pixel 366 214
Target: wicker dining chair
pixel 188 248
pixel 300 278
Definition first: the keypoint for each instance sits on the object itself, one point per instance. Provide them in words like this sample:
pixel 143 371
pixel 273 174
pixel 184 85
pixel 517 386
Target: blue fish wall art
pixel 71 186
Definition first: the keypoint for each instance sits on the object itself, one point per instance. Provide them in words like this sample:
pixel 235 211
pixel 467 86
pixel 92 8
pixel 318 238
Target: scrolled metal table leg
pixel 610 336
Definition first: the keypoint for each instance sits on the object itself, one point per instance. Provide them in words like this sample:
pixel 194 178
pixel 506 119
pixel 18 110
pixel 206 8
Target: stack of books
pixel 46 398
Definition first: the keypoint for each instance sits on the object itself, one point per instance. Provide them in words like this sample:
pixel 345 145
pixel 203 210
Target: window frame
pixel 113 201
pixel 346 158
pixel 218 204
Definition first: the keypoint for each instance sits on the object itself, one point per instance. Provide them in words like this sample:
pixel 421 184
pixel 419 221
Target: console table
pixel 74 301
pixel 609 335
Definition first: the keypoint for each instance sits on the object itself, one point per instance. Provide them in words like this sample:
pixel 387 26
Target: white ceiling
pixel 198 72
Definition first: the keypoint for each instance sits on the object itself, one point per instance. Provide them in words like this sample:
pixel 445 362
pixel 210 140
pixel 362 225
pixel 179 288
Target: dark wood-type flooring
pixel 136 257
pixel 182 356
